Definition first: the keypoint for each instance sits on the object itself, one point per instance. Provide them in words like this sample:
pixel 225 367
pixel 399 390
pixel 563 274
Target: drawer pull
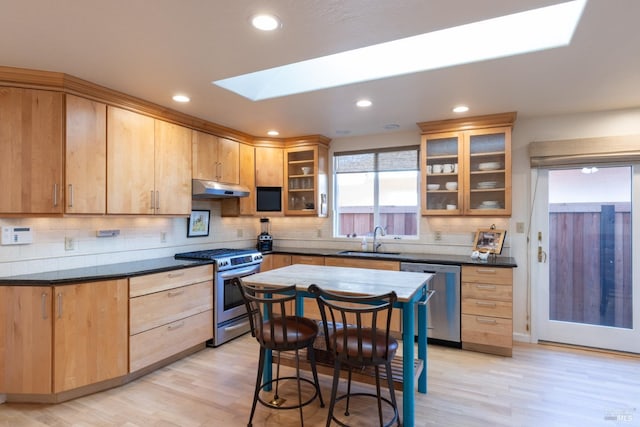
pixel 173 275
pixel 176 326
pixel 486 287
pixel 175 293
pixel 486 270
pixel 486 320
pixel 486 304
pixel 43 299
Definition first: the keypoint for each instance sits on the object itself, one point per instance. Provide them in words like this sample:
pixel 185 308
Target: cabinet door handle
pixel 153 200
pixel 485 304
pixel 55 195
pixel 43 301
pixel 60 305
pixel 486 320
pixel 486 287
pixel 175 293
pixel 175 326
pixel 486 270
pixel 157 199
pixel 172 275
pixel 70 195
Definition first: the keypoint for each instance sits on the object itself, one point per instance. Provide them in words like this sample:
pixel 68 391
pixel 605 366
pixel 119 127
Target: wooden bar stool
pixel 357 331
pixel 276 327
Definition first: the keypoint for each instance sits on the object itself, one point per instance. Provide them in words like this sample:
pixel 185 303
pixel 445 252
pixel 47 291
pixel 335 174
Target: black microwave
pixel 268 199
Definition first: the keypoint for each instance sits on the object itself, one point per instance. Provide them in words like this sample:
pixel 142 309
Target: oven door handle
pixel 239 272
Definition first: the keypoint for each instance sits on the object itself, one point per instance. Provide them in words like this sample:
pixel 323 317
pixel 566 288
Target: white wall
pixel 140 238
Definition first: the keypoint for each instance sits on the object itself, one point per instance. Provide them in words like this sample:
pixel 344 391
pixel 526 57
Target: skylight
pixel 533 30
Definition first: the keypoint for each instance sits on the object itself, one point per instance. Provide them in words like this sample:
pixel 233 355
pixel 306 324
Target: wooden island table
pixel 411 289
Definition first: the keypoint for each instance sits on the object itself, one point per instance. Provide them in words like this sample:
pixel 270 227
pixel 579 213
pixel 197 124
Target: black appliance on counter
pixel 230 317
pixel 265 241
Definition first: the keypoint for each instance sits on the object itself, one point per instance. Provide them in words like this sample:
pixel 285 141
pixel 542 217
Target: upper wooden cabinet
pixel 31 149
pixel 215 159
pixel 466 166
pixel 85 156
pixel 243 205
pixel 148 165
pixel 269 170
pixel 305 187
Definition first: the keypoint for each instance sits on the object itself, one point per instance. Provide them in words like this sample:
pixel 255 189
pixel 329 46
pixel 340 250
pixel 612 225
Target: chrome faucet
pixel 375 233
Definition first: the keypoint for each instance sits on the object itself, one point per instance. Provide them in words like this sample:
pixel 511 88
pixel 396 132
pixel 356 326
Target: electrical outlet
pixel 319 232
pixel 519 227
pixel 239 232
pixel 163 237
pixel 69 244
pixel 437 235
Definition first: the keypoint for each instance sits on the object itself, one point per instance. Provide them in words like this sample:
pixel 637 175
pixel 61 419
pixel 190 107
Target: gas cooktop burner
pixel 224 258
pixel 213 253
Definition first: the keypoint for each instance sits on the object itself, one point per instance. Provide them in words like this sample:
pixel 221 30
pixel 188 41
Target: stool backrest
pixel 357 329
pixel 271 313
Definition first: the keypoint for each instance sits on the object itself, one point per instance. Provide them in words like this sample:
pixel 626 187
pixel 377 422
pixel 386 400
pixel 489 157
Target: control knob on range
pixel 223 263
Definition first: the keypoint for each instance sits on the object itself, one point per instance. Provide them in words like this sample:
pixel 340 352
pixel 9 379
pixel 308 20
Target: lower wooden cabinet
pixel 168 313
pixel 55 339
pixel 487 309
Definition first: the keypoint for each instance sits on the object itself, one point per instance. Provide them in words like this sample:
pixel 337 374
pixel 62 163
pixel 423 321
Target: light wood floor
pixel 540 385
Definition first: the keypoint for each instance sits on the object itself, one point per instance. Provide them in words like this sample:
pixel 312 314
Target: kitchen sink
pixel 367 253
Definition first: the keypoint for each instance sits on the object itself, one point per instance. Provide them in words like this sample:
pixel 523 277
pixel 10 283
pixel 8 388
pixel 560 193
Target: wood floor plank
pixel 541 385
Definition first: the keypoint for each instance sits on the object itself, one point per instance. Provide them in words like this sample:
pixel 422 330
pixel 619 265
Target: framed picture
pixel 198 223
pixel 489 240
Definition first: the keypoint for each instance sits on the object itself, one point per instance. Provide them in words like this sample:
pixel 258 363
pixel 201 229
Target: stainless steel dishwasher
pixel 443 313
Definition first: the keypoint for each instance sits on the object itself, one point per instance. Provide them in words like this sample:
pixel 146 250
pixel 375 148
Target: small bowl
pixel 451 185
pixel 306 170
pixel 433 187
pixel 488 166
pixel 451 207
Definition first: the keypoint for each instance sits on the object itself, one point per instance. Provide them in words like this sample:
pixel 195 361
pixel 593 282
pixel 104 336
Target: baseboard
pixel 519 337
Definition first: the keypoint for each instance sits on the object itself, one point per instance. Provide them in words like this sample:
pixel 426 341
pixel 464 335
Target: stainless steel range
pixel 230 318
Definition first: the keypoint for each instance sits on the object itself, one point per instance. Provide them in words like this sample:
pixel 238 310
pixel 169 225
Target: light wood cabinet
pixel 172 170
pixel 243 205
pixel 31 149
pixel 90 330
pixel 362 263
pixel 169 312
pixel 467 172
pixel 307 259
pixel 487 309
pixel 273 261
pixel 269 169
pixel 25 340
pixel 148 164
pixel 85 156
pixel 305 171
pixel 215 158
pixel 55 339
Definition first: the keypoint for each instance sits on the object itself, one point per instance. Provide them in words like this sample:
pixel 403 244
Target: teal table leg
pixel 408 386
pixel 422 346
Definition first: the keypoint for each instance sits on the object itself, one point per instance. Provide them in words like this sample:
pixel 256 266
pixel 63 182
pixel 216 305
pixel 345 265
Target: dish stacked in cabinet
pixel 487 309
pixel 169 313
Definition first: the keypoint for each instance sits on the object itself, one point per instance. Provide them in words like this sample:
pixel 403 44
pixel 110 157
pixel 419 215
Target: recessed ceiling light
pixel 533 30
pixel 181 98
pixel 343 132
pixel 460 109
pixel 391 126
pixel 273 133
pixel 265 22
pixel 364 103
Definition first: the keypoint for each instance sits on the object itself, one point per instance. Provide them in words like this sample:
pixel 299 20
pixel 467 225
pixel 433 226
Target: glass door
pixel 584 283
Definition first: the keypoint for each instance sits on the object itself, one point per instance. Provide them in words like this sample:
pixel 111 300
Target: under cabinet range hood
pixel 202 189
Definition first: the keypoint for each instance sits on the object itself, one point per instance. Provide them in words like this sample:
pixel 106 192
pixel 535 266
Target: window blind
pixel 384 160
pixel 602 150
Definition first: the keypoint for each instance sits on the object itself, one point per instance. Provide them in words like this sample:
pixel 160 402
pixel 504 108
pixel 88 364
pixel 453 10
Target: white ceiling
pixel 153 49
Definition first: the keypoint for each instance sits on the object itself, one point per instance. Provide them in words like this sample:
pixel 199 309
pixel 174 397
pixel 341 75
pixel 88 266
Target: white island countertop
pixel 346 280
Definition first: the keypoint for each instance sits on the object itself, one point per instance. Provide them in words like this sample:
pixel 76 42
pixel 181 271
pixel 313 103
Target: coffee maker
pixel 265 241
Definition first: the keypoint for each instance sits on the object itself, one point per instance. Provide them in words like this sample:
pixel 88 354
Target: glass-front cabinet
pixel 466 166
pixel 305 170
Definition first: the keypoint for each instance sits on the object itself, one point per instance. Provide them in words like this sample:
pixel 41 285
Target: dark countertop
pixel 499 261
pixel 101 272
